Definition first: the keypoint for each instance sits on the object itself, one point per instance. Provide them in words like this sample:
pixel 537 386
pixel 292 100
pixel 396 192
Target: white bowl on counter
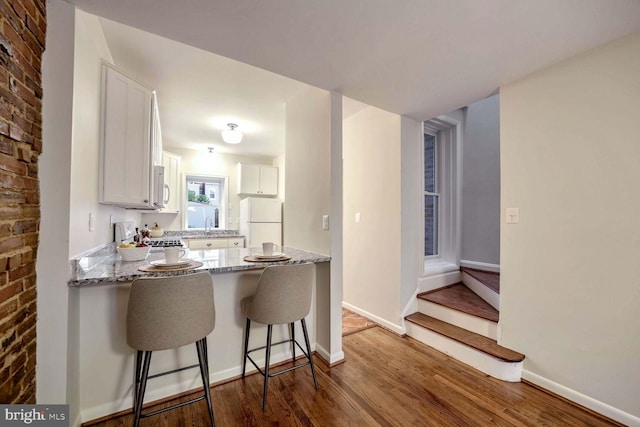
pixel 134 254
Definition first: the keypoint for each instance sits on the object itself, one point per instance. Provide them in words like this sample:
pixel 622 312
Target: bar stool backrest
pixel 169 312
pixel 283 295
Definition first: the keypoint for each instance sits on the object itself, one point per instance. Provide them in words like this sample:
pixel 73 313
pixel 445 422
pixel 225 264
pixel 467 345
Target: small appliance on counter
pixel 126 231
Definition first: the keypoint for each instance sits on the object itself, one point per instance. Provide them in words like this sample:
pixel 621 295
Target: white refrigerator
pixel 261 221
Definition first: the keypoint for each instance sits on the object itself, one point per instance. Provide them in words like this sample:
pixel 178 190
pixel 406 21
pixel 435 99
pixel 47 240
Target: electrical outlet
pixel 513 215
pixel 92 222
pixel 357 217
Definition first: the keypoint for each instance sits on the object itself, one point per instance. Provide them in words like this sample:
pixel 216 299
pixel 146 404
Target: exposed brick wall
pixel 22 39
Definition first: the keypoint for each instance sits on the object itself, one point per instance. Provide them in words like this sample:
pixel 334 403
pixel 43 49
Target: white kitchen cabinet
pixel 236 242
pixel 218 243
pixel 258 180
pixel 125 144
pixel 173 185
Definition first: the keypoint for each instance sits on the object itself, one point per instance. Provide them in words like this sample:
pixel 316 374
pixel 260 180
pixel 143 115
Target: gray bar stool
pixel 283 297
pixel 166 313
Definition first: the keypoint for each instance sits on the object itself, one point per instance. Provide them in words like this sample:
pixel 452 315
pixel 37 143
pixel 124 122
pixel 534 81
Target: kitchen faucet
pixel 208 220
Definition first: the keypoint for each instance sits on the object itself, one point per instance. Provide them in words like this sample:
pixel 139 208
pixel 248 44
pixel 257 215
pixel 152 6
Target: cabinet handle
pixel 208 244
pixel 146 200
pixel 235 243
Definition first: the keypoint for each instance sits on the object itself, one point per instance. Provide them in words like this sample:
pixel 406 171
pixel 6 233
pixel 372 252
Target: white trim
pixel 330 358
pixel 457 318
pixel 505 371
pixel 412 305
pixel 398 329
pixel 490 296
pixel 439 280
pixel 449 140
pixel 582 399
pixel 493 268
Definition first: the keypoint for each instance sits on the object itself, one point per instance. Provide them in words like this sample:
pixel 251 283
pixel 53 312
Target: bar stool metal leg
pixel 246 346
pixel 306 340
pixel 293 342
pixel 138 369
pixel 266 368
pixel 204 373
pixel 142 388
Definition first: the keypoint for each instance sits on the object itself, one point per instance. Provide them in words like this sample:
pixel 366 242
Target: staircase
pixel 461 320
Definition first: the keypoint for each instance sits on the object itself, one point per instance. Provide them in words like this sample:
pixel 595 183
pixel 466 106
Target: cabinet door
pixel 172 173
pixel 198 244
pixel 125 167
pixel 248 179
pixel 268 180
pixel 236 242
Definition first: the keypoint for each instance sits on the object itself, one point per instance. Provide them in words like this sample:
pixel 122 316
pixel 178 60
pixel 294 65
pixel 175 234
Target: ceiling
pixel 419 58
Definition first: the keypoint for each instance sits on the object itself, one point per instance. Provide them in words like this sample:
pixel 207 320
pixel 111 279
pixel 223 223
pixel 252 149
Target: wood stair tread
pixel 487 278
pixel 471 339
pixel 461 298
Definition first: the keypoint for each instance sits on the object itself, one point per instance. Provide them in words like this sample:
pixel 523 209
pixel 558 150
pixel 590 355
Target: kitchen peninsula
pixel 100 283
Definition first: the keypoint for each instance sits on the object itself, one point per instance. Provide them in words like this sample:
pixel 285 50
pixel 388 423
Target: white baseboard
pixel 412 305
pixel 494 268
pixel 193 382
pixel 328 357
pixel 581 399
pixel 490 296
pixel 429 283
pixel 398 329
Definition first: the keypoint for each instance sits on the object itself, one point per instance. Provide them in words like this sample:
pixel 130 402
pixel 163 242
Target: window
pixel 441 194
pixel 431 195
pixel 205 202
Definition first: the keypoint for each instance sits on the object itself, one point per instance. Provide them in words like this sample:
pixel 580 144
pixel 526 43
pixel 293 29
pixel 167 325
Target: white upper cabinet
pixel 258 180
pixel 125 146
pixel 173 185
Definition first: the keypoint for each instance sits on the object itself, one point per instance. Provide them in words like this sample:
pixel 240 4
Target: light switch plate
pixel 325 222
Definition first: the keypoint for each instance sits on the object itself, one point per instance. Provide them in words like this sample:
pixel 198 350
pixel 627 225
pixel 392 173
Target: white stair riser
pixel 497 368
pixel 463 320
pixel 483 291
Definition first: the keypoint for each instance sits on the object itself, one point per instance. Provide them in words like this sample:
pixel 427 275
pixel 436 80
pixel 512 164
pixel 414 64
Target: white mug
pixel 268 248
pixel 173 254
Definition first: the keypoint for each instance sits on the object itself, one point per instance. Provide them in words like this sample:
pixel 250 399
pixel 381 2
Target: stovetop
pixel 165 242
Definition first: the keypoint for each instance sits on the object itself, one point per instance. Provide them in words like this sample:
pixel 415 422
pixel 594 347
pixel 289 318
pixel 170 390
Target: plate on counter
pixel 164 263
pixel 274 255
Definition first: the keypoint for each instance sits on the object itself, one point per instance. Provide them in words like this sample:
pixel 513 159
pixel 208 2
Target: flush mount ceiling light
pixel 232 135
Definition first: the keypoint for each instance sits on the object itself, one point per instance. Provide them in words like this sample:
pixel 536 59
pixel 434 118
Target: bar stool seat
pixel 283 297
pixel 165 313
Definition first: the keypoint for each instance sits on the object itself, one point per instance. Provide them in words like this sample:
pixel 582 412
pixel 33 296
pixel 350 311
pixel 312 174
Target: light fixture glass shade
pixel 232 135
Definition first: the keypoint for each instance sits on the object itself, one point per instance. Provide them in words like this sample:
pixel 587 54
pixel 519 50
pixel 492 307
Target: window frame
pixel 448 132
pixel 224 198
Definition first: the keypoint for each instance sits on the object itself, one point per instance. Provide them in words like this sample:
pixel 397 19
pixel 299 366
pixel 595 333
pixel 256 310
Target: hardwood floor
pixel 386 380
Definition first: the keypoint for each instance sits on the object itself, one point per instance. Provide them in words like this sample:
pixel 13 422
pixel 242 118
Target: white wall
pixel 90 50
pixel 372 188
pixel 53 382
pixel 570 291
pixel 411 210
pixel 312 171
pixel 308 167
pixel 481 182
pixel 201 162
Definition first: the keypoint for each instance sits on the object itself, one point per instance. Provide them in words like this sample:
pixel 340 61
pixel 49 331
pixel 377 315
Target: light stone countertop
pixel 105 267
